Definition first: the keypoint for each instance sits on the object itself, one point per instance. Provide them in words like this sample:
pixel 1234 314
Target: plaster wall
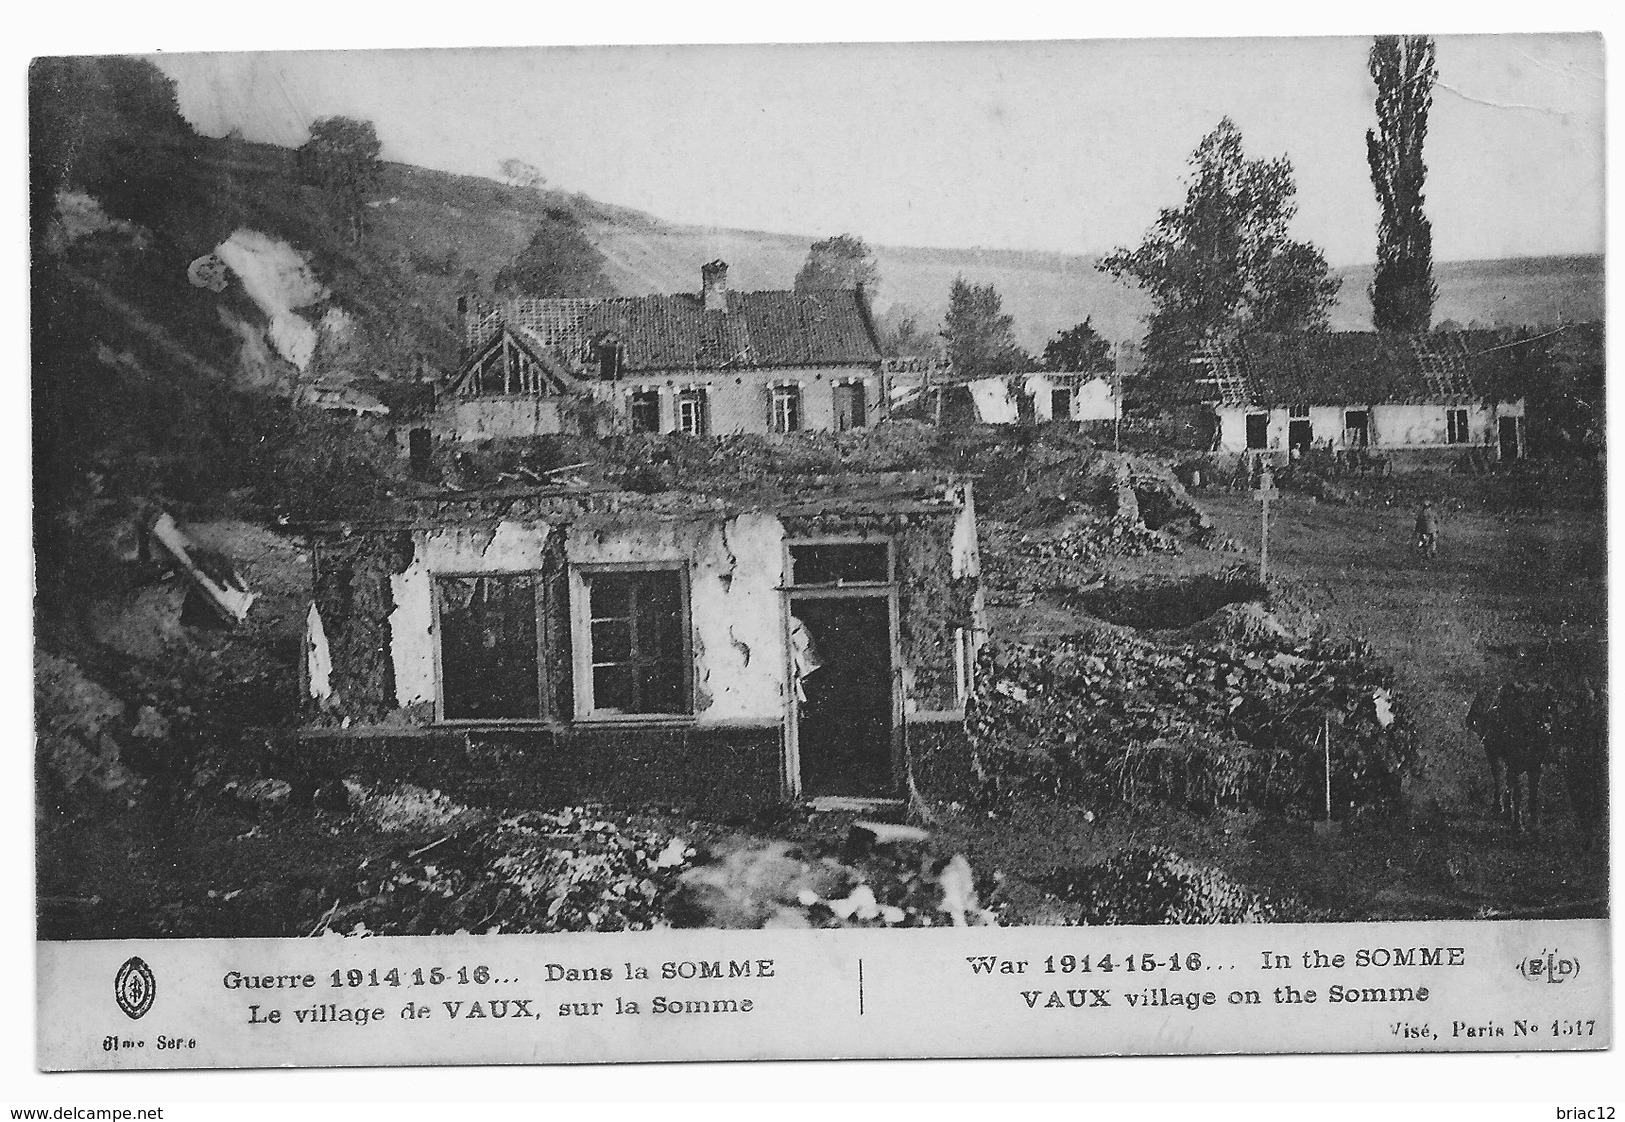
pixel 735 573
pixel 500 418
pixel 738 401
pixel 512 547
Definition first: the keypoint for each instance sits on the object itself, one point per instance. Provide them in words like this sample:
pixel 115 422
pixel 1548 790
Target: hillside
pixel 1049 292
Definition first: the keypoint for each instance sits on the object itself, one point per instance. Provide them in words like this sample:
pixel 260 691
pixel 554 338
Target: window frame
pixel 632 396
pixel 581 652
pixel 793 418
pixel 435 600
pixel 695 395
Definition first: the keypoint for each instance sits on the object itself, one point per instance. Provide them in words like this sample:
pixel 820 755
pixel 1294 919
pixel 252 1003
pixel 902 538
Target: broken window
pixel 643 410
pixel 488 647
pixel 1456 426
pixel 1297 411
pixel 851 406
pixel 637 642
pixel 784 409
pixel 693 412
pixel 840 563
pixel 1258 431
pixel 1356 428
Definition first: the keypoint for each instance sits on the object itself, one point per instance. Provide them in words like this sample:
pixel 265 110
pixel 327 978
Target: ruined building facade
pixel 593 644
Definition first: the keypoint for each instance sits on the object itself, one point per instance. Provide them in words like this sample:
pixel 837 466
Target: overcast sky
pixel 1051 145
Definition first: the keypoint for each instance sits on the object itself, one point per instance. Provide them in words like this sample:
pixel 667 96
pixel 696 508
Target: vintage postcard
pixel 813 551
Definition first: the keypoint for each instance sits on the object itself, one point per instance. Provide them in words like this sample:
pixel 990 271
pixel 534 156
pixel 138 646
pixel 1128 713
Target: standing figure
pixel 1427 529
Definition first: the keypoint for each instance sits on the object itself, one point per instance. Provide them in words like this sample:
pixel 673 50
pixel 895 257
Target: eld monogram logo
pixel 1549 967
pixel 135 987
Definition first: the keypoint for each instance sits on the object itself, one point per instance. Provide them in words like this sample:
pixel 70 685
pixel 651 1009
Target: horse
pixel 1515 722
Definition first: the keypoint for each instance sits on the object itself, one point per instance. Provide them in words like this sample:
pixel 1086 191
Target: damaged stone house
pixel 705 648
pixel 1413 399
pixel 715 362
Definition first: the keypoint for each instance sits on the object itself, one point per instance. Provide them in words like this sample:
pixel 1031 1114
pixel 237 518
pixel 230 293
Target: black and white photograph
pixel 815 487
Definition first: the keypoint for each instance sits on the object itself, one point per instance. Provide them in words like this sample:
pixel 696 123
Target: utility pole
pixel 1265 493
pixel 1117 397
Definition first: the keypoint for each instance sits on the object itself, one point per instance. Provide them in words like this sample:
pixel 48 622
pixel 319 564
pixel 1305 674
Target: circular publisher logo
pixel 135 987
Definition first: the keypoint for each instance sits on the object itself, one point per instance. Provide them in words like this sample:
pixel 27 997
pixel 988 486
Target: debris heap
pixel 1235 721
pixel 456 870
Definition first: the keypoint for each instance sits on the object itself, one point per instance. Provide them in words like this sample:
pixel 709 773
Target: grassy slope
pixel 425 220
pixel 1048 292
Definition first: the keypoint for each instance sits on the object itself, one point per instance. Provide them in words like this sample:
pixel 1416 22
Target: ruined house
pixel 728 649
pixel 930 390
pixel 714 362
pixel 1413 399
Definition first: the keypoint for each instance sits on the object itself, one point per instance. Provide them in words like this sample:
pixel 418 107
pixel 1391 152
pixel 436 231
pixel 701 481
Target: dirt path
pixel 1450 624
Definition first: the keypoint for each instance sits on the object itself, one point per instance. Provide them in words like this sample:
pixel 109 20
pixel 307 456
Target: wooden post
pixel 1265 493
pixel 1328 728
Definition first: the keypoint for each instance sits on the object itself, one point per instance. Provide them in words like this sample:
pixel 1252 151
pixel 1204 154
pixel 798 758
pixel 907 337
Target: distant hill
pixel 1048 292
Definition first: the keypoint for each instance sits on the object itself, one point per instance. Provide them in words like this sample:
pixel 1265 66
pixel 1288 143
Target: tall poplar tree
pixel 1402 292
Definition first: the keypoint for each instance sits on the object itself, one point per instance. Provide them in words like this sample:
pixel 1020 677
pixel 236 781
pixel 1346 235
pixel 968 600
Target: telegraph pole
pixel 1265 493
pixel 1117 397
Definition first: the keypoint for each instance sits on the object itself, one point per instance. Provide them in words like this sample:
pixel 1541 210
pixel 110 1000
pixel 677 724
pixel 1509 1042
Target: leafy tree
pixel 341 157
pixel 1402 292
pixel 1222 262
pixel 1078 349
pixel 902 335
pixel 559 261
pixel 980 339
pixel 843 262
pixel 109 126
pixel 522 174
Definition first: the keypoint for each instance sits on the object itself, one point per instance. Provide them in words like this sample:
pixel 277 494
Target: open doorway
pixel 844 721
pixel 1510 445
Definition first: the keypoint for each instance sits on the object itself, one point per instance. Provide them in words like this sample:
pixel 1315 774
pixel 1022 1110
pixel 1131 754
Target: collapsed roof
pixel 1346 367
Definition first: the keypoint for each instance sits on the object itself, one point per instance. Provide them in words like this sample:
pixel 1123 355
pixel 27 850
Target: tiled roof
pixel 760 329
pixel 1345 367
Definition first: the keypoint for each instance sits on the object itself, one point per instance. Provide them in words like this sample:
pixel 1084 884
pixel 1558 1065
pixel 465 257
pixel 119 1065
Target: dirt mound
pixel 1248 623
pixel 1157 886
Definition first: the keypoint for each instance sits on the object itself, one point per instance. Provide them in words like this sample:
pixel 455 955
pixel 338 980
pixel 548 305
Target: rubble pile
pixel 540 871
pixel 1237 722
pixel 454 870
pixel 884 876
pixel 1067 559
pixel 1156 886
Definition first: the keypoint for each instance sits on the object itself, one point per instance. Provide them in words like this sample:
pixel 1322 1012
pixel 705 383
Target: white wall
pixel 499 418
pixel 735 571
pixel 738 401
pixel 514 547
pixel 1391 426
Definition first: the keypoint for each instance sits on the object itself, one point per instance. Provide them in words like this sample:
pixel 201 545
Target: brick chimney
pixel 714 286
